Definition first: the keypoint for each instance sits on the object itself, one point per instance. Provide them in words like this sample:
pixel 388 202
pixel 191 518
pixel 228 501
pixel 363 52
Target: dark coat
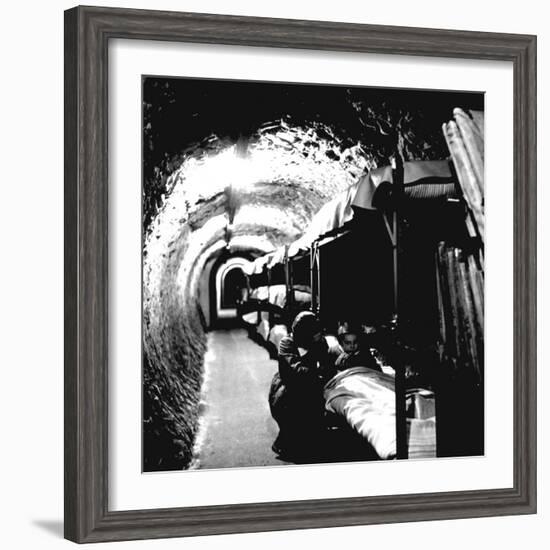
pixel 296 395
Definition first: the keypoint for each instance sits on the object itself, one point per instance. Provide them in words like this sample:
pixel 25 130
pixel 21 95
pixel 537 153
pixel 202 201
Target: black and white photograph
pixel 313 274
pixel 275 275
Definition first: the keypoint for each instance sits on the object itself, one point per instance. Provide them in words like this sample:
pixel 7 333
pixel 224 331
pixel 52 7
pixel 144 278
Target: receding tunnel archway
pixel 231 287
pixel 230 280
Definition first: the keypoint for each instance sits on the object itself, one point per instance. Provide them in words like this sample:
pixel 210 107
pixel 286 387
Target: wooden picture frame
pixel 87 34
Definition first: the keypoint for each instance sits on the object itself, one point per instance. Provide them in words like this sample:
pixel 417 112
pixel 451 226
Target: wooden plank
pixel 471 187
pixel 473 141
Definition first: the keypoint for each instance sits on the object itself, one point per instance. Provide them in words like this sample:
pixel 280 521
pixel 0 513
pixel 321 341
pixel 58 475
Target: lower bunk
pixel 364 400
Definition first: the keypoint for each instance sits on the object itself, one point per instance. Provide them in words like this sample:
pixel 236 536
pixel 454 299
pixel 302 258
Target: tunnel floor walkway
pixel 236 428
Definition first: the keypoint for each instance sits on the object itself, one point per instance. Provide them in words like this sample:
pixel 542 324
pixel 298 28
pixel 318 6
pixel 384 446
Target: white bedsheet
pixel 276 334
pixel 276 295
pixel 366 399
pixel 263 329
pixel 251 318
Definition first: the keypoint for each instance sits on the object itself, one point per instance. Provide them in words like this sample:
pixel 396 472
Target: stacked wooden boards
pixel 460 292
pixel 460 268
pixel 464 135
pixel 460 295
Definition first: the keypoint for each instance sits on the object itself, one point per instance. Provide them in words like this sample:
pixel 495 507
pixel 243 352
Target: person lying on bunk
pixel 356 353
pixel 296 394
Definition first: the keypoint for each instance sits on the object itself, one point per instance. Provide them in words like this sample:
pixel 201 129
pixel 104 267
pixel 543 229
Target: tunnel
pixel 196 238
pixel 234 188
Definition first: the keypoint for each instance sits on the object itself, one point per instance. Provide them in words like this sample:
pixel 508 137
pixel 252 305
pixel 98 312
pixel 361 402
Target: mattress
pixel 366 400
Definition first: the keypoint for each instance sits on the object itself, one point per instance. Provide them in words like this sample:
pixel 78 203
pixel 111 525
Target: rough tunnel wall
pixel 174 345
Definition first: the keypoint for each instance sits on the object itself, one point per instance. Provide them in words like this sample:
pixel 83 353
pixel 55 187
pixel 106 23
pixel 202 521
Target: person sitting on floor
pixel 296 394
pixel 352 338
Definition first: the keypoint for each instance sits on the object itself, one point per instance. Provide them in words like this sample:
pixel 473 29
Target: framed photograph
pixel 300 264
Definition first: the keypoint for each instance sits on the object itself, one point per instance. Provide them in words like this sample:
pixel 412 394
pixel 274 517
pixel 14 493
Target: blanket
pixel 276 295
pixel 276 334
pixel 366 399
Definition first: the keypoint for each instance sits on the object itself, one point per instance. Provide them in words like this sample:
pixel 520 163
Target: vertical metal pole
pixel 400 392
pixel 312 277
pixel 259 318
pixel 395 264
pixel 318 312
pixel 291 282
pixel 269 314
pixel 288 287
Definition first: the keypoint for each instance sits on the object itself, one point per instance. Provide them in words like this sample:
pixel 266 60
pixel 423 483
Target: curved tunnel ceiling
pixel 222 199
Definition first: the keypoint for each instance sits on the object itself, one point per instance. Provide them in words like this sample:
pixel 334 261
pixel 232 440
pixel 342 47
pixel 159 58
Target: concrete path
pixel 236 428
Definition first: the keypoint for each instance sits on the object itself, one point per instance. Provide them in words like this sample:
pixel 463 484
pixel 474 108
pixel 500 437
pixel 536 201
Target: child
pixel 355 354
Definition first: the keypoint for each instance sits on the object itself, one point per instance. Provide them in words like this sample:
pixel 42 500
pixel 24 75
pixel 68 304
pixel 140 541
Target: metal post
pixel 315 276
pixel 312 277
pixel 318 312
pixel 400 392
pixel 269 314
pixel 289 306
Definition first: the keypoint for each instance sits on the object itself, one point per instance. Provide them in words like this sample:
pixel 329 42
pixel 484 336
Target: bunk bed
pixel 400 422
